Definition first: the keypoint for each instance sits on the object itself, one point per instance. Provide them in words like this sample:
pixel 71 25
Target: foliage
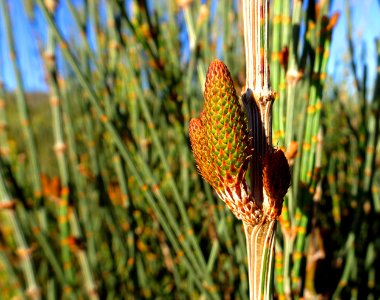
pixel 121 212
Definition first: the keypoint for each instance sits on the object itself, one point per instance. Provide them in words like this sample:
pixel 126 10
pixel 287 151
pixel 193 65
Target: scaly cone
pixel 222 149
pixel 221 146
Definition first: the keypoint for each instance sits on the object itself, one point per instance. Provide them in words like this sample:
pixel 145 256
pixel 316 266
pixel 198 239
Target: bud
pixel 276 181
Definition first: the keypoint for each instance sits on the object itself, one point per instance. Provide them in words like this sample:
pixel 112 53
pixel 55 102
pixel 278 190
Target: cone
pixel 220 143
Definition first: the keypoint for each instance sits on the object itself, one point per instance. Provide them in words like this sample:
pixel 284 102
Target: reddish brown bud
pixel 276 180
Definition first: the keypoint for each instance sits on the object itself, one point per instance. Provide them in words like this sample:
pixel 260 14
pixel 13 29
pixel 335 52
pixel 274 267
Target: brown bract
pixel 276 180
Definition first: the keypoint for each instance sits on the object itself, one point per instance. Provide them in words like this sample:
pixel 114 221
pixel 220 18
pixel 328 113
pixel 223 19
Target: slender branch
pixel 256 16
pixel 269 169
pixel 260 250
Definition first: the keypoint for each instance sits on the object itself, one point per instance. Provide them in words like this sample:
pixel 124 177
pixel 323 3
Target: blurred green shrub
pixel 121 213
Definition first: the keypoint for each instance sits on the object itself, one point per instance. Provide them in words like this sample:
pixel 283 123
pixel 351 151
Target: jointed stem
pixel 260 239
pixel 258 99
pixel 256 15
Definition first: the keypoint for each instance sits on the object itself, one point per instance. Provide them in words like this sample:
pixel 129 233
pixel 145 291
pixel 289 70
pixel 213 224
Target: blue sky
pixel 365 17
pixel 28 37
pixel 366 27
pixel 26 47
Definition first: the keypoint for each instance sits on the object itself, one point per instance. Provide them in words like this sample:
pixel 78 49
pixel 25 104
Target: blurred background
pixel 99 194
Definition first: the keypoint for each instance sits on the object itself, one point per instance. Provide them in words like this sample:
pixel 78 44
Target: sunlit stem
pixel 258 99
pixel 260 239
pixel 256 15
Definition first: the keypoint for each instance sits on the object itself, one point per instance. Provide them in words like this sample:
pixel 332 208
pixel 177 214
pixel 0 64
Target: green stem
pixel 60 149
pixel 114 134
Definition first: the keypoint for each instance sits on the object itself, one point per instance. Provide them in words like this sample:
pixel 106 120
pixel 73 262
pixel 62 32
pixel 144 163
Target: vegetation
pixel 100 197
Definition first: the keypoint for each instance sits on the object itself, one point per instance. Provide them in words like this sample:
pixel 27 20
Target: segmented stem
pixel 258 99
pixel 256 15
